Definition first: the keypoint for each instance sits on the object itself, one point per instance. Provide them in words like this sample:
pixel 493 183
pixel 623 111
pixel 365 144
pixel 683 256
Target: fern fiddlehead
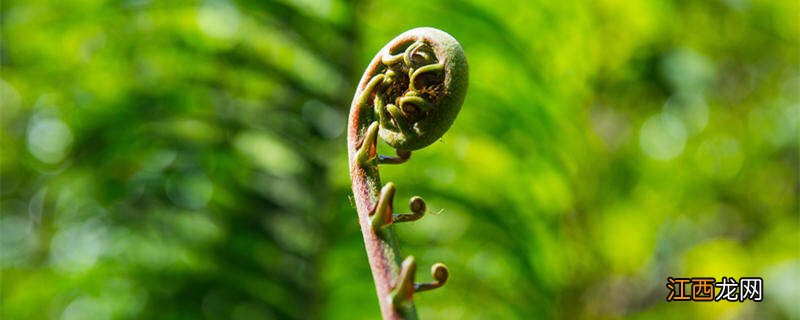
pixel 409 95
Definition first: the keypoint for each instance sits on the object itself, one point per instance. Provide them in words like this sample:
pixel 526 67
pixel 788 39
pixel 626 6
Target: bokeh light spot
pixel 662 137
pixel 719 157
pixel 192 190
pixel 76 247
pixel 219 20
pixel 49 139
pixel 691 108
pixel 687 70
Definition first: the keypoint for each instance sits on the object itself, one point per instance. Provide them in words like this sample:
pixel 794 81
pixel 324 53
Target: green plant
pixel 409 95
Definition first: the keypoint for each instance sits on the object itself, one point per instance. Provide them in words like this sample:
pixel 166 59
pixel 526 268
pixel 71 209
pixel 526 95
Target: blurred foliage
pixel 186 160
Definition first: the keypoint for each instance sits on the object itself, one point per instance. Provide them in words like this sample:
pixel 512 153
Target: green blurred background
pixel 187 160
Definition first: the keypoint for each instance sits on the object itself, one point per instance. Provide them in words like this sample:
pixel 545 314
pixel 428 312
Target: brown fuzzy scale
pixel 400 85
